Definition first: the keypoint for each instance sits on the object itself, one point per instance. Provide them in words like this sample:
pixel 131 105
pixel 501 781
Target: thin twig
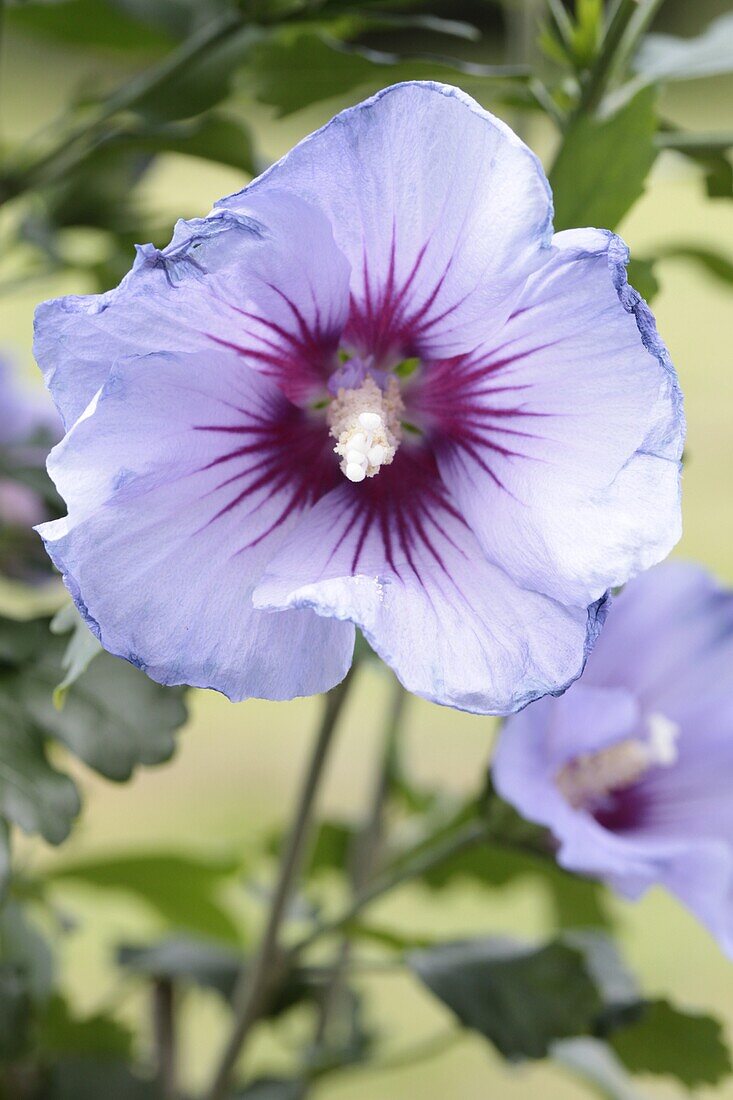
pixel 409 867
pixel 258 981
pixel 164 1035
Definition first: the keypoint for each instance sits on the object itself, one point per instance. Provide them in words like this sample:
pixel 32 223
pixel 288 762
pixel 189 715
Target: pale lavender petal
pixel 182 479
pixel 440 209
pixel 394 556
pixel 267 282
pixel 562 442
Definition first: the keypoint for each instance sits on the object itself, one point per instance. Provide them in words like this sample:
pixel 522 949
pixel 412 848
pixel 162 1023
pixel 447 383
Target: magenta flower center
pixel 589 780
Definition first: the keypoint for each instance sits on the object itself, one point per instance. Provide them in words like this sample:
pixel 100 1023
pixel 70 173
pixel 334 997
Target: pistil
pixel 365 422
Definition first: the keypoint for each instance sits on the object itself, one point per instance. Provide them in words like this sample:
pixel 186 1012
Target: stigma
pixel 365 422
pixel 590 778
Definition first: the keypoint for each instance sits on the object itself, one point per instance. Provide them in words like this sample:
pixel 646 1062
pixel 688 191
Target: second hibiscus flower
pixel 372 388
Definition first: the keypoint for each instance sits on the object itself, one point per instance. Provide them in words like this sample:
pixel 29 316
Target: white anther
pixel 359 442
pixel 365 422
pixel 663 735
pixel 371 421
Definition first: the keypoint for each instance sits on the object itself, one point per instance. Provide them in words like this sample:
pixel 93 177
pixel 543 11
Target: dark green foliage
pixel 99 1037
pixel 520 999
pixel 113 718
pixel 668 1041
pixel 15 1011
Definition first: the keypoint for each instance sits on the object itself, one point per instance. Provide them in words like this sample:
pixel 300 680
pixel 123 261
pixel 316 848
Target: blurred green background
pixel 236 768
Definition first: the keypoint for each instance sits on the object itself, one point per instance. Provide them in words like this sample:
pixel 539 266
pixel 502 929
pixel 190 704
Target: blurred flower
pixel 29 427
pixel 370 388
pixel 632 769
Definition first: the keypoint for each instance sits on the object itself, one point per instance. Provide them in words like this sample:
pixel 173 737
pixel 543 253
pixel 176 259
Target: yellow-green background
pixel 237 765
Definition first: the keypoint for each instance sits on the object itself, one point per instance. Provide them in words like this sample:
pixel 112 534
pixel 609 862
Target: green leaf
pixel 574 900
pixel 595 1063
pixel 213 136
pixel 114 717
pixel 618 989
pixel 182 889
pixel 587 31
pixel 331 847
pixel 290 72
pixel 80 651
pixel 670 1042
pixel 63 1035
pixel 91 1078
pixel 204 83
pixel 329 850
pixel 643 278
pixel 271 1088
pixel 603 163
pixel 33 794
pixel 664 57
pixel 521 999
pixel 185 959
pixel 90 23
pixel 16 1011
pixel 190 961
pixel 22 945
pixel 710 260
pixel 387 937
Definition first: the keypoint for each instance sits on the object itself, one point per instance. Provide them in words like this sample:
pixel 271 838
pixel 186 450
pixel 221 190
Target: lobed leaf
pixel 61 1034
pixel 522 999
pixel 669 1041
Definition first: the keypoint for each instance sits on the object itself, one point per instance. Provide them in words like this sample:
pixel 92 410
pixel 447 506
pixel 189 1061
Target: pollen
pixel 365 422
pixel 588 779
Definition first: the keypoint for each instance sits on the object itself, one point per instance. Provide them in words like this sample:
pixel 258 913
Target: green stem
pixel 409 867
pixel 258 981
pixel 362 861
pixel 123 98
pixel 711 144
pixel 599 77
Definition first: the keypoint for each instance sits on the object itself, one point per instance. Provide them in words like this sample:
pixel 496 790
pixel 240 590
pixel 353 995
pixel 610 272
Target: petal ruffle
pixel 182 478
pixel 440 209
pixel 394 556
pixel 268 282
pixel 562 445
